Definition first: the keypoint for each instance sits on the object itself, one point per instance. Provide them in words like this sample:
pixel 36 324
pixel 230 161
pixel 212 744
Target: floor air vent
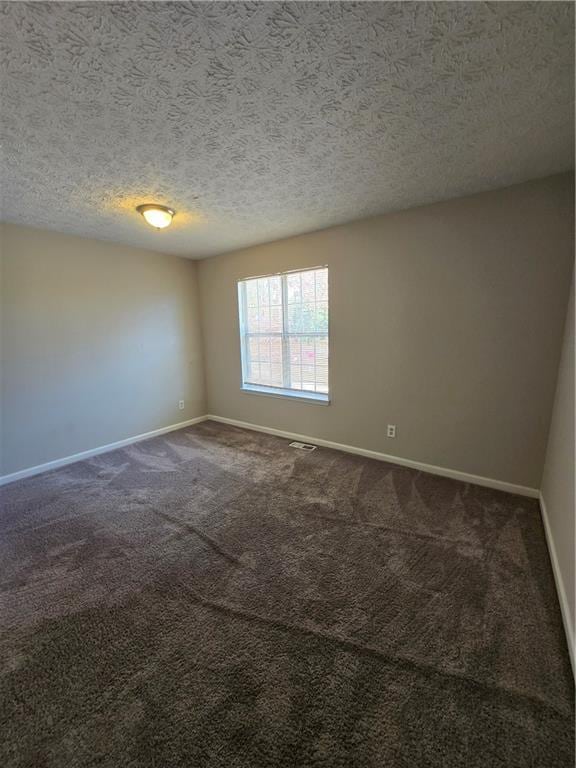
pixel 303 446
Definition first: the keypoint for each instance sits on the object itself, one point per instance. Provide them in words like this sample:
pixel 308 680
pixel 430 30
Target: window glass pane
pixel 253 348
pixel 276 376
pixel 296 377
pixel 276 319
pixel 264 291
pixel 294 318
pixel 294 348
pixel 307 317
pixel 264 349
pixel 276 350
pixel 321 316
pixel 252 320
pixel 321 284
pixel 294 288
pixel 307 355
pixel 264 320
pixel 252 292
pixel 308 378
pixel 308 286
pixel 265 373
pixel 275 347
pixel 285 346
pixel 276 291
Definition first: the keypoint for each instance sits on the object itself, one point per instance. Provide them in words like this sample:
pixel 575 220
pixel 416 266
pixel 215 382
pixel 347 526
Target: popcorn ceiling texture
pixel 258 121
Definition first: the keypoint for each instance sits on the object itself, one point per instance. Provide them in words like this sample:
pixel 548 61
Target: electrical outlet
pixel 391 432
pixel 181 404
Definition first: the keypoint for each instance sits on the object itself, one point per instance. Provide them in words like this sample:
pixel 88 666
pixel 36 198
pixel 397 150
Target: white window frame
pixel 322 398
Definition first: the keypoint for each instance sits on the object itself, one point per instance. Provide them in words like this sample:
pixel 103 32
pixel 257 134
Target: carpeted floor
pixel 214 598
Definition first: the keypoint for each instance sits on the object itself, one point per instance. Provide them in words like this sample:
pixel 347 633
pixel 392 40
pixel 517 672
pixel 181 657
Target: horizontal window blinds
pixel 284 330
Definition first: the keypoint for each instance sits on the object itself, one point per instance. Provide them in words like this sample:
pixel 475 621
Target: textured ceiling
pixel 256 121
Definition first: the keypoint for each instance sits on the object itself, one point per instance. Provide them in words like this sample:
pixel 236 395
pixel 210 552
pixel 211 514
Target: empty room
pixel 287 385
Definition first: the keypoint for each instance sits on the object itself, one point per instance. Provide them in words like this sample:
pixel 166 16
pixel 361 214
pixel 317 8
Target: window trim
pixel 302 395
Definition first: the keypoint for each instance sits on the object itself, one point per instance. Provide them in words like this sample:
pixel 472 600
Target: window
pixel 284 333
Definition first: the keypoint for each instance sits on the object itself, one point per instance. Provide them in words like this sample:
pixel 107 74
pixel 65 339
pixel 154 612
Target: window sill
pixel 287 394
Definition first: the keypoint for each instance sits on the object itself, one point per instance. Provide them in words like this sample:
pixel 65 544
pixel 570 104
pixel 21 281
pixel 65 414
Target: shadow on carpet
pixel 213 598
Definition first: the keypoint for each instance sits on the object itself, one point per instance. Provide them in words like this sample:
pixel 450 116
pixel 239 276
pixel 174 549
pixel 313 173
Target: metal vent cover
pixel 303 446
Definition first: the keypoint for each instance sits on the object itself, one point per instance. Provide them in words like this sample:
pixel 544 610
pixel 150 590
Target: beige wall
pixel 445 320
pixel 99 343
pixel 558 479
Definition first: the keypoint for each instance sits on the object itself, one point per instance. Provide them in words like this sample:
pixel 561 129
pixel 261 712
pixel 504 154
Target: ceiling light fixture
pixel 158 216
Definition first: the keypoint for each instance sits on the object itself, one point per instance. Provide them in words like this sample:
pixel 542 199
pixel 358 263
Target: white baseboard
pixel 560 589
pixel 465 477
pixel 488 482
pixel 30 471
pixel 431 468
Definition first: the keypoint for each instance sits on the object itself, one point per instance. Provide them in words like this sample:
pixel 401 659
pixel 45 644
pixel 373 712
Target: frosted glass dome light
pixel 158 216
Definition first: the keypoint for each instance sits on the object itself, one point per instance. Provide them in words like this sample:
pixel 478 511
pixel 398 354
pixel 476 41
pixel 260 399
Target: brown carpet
pixel 214 598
